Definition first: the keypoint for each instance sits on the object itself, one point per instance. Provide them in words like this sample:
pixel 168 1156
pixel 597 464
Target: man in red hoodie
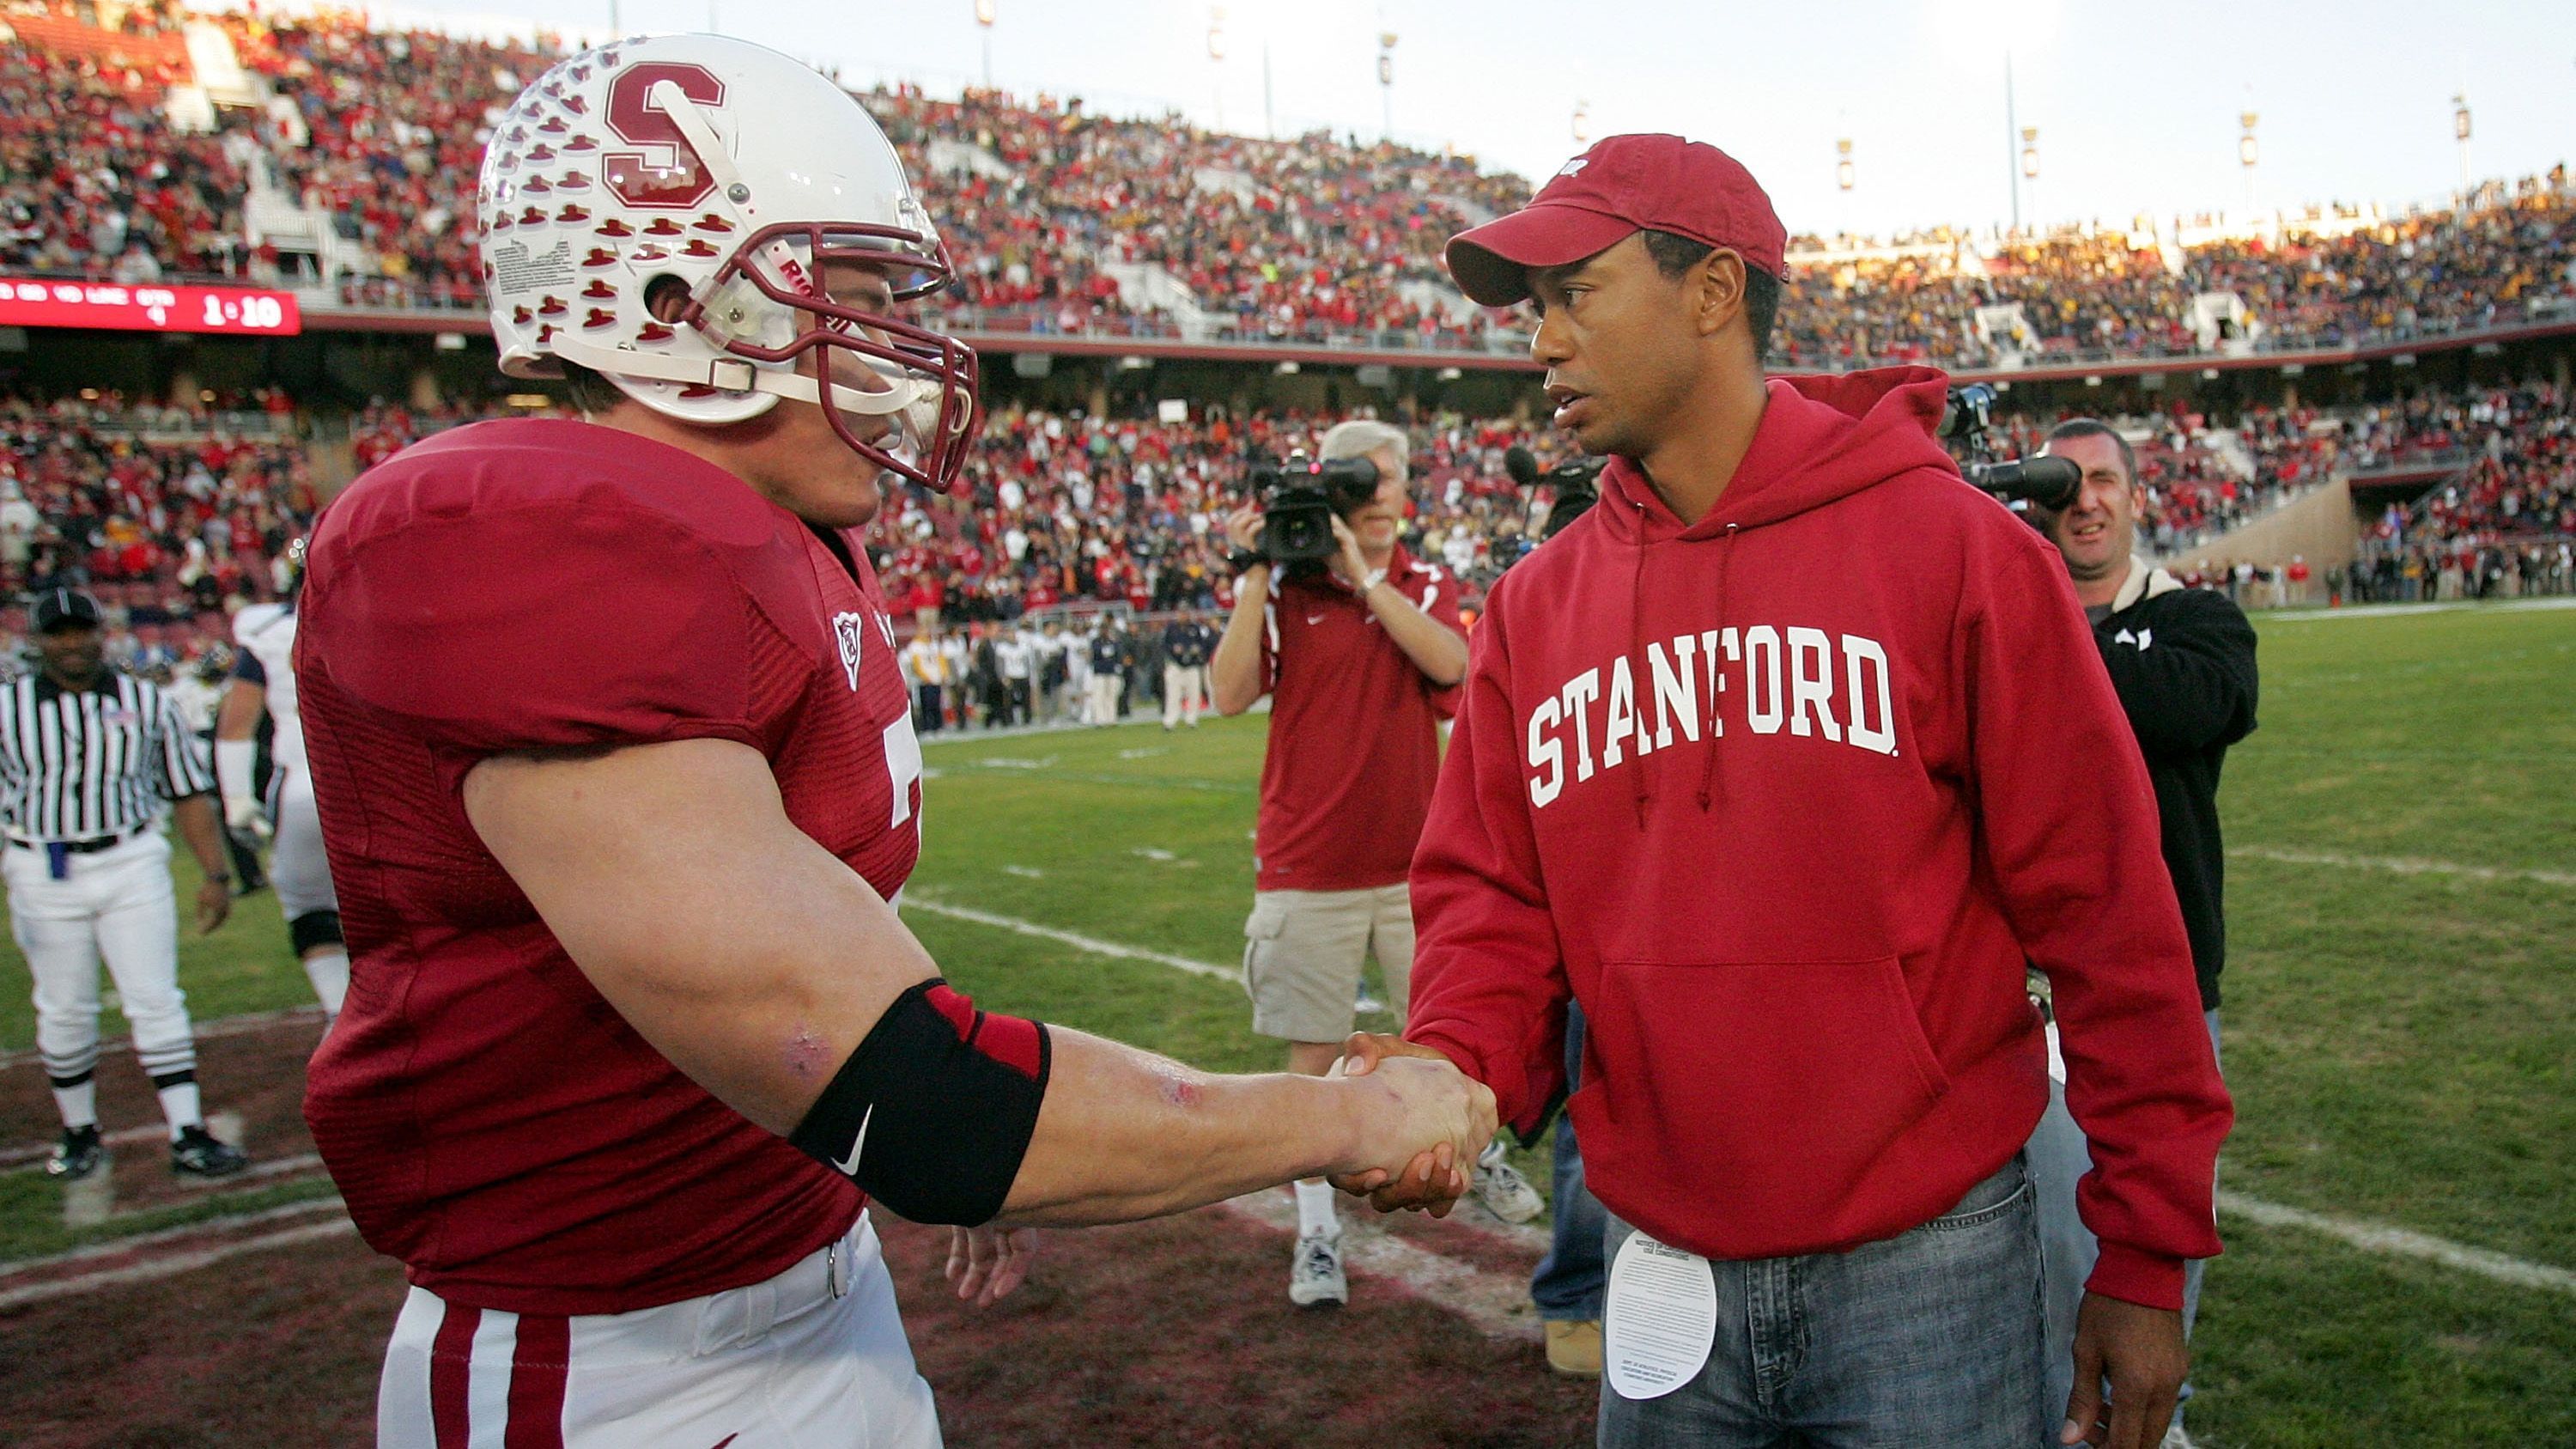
pixel 1783 763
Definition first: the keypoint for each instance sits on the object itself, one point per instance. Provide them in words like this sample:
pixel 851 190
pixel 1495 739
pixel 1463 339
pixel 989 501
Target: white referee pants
pixel 790 1362
pixel 1185 693
pixel 116 903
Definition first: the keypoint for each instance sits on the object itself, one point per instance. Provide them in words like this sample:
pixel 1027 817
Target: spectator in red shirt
pixel 1358 657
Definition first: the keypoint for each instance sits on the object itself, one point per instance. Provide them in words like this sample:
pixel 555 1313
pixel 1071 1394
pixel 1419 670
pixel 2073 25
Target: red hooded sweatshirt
pixel 1786 798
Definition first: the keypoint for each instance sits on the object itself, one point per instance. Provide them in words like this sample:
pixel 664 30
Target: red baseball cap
pixel 1623 184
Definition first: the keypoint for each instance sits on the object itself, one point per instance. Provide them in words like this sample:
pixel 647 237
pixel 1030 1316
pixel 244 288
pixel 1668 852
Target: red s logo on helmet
pixel 667 173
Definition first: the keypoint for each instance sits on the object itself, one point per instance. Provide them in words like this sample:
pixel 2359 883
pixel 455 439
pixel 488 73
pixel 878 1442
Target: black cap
pixel 56 608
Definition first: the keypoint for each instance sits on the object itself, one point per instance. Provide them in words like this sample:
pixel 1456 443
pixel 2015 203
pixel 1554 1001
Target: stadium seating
pixel 1067 221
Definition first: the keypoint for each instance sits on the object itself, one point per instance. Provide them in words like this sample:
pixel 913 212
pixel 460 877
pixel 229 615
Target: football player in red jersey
pixel 617 778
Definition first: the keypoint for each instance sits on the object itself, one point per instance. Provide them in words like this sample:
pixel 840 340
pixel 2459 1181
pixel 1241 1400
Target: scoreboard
pixel 148 307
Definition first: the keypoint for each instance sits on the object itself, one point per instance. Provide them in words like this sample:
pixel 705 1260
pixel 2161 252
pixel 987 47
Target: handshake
pixel 1421 1123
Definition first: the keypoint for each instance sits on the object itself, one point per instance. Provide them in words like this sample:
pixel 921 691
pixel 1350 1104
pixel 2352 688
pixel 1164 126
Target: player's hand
pixel 1348 565
pixel 986 1263
pixel 1424 1134
pixel 214 903
pixel 2141 1351
pixel 243 816
pixel 1243 529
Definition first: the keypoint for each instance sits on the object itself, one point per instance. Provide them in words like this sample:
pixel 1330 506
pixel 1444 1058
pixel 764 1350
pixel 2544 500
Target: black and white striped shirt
pixel 96 762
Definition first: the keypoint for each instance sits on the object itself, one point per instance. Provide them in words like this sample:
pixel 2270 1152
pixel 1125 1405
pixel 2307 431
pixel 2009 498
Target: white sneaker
pixel 1501 1188
pixel 1315 1272
pixel 2175 1438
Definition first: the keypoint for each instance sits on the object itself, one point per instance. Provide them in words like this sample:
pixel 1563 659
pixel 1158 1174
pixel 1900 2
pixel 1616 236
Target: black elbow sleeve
pixel 933 1113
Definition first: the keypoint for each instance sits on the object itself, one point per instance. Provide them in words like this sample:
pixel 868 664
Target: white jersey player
pixel 264 680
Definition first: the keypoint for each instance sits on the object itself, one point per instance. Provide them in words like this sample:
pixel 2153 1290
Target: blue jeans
pixel 2057 1158
pixel 1927 1338
pixel 1569 1280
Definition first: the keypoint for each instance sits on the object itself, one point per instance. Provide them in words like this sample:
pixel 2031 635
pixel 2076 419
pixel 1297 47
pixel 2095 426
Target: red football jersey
pixel 524 585
pixel 1354 734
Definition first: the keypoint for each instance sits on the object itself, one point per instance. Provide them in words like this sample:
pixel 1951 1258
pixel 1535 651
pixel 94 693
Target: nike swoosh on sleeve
pixel 849 1166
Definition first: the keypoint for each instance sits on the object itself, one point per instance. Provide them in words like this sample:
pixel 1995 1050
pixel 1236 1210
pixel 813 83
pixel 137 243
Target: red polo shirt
pixel 1354 734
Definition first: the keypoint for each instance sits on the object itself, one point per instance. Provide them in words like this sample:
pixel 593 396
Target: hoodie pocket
pixel 1764 1092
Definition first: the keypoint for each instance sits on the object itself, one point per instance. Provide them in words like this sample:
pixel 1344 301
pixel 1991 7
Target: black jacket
pixel 2183 662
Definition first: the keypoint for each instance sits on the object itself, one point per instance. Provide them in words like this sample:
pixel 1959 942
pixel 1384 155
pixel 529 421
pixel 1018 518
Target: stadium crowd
pixel 178 514
pixel 173 515
pixel 2502 527
pixel 1044 201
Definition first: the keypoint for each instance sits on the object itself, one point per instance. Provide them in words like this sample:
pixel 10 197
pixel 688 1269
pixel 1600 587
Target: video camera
pixel 1300 498
pixel 2022 483
pixel 1577 485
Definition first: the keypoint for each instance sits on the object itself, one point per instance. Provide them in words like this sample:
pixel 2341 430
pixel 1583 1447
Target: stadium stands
pixel 1070 222
pixel 1065 221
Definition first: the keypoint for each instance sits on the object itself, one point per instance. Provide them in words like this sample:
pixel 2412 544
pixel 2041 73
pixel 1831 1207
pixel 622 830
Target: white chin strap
pixel 912 400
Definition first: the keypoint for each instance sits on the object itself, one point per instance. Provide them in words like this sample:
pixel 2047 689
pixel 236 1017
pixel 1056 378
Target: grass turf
pixel 2402 1046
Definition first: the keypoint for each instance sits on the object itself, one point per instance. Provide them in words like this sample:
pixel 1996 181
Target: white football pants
pixel 813 1357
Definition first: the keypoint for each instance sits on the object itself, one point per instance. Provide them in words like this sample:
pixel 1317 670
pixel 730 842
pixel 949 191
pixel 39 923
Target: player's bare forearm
pixel 238 717
pixel 1234 673
pixel 1126 1134
pixel 752 958
pixel 757 962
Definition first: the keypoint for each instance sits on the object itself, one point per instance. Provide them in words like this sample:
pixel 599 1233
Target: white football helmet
pixel 720 169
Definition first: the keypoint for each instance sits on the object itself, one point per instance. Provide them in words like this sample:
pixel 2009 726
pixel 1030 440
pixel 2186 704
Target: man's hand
pixel 986 1263
pixel 1432 1180
pixel 214 903
pixel 1243 529
pixel 2141 1351
pixel 1350 565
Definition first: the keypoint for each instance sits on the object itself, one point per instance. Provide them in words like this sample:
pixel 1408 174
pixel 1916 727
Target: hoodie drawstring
pixel 1637 656
pixel 1708 762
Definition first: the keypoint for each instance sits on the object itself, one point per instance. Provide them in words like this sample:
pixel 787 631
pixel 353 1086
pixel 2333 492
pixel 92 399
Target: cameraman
pixel 2182 661
pixel 1358 656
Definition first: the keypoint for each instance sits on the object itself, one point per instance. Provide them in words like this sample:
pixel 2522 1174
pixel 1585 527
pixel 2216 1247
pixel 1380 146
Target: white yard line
pixel 2400 865
pixel 2399 611
pixel 173 1265
pixel 1094 945
pixel 119 1247
pixel 1496 1303
pixel 2392 1242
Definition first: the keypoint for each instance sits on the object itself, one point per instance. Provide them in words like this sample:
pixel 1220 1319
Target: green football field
pixel 2400 1027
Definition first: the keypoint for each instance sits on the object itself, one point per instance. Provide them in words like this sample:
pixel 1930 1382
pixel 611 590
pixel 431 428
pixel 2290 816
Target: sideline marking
pixel 913 901
pixel 2391 1242
pixel 2400 865
pixel 1103 777
pixel 171 1266
pixel 2543 603
pixel 1497 1305
pixel 203 1227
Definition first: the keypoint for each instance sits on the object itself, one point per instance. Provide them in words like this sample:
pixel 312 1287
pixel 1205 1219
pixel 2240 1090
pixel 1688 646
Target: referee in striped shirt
pixel 90 762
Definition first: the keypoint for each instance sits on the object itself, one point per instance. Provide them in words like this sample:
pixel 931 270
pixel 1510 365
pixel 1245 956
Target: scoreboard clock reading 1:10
pixel 148 307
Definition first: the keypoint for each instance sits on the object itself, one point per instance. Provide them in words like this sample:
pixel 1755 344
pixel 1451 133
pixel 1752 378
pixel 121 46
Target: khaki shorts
pixel 1302 955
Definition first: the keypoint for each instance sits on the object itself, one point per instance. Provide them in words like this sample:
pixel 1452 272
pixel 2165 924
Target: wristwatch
pixel 1375 578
